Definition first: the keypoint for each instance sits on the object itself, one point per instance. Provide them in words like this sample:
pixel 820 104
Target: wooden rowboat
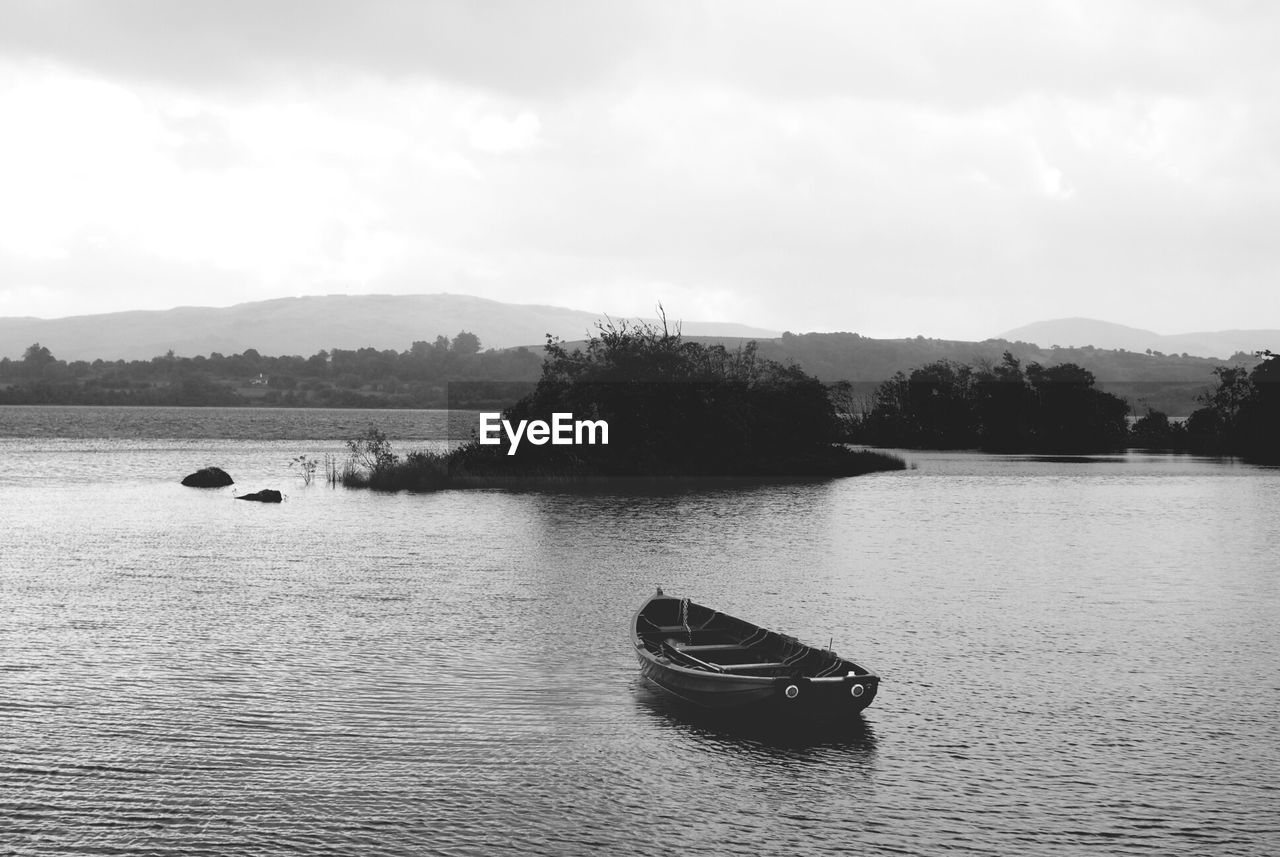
pixel 716 661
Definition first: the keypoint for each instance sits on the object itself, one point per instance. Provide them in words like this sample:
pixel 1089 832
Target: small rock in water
pixel 267 495
pixel 208 477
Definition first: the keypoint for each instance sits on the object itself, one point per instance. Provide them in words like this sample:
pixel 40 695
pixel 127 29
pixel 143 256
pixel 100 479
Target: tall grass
pixel 334 475
pixel 418 471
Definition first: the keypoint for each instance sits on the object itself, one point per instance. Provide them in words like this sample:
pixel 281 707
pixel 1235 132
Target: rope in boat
pixel 684 617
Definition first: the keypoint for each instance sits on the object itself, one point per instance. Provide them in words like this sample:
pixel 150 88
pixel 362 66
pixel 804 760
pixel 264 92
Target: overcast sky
pixel 946 169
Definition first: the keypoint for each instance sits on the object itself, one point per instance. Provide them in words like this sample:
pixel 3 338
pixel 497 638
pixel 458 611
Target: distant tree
pixel 1001 408
pixel 1005 406
pixel 1233 392
pixel 844 401
pixel 318 364
pixel 1260 416
pixel 1241 416
pixel 1071 414
pixel 1214 428
pixel 251 361
pixel 466 344
pixel 932 407
pixel 942 402
pixel 38 363
pixel 1156 431
pixel 37 355
pixel 1205 432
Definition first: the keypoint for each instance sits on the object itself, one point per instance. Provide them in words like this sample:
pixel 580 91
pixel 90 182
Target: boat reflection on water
pixel 781 735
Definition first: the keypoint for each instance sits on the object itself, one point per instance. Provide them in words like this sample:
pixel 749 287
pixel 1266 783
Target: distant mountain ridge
pixel 306 325
pixel 1080 332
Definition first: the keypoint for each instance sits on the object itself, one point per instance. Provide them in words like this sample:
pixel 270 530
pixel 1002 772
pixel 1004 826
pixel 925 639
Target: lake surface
pixel 1077 654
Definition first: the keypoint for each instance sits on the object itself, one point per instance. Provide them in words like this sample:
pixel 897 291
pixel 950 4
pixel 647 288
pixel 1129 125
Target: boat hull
pixel 788 691
pixel 813 697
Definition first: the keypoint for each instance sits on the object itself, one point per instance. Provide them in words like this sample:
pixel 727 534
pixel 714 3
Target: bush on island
pixel 674 408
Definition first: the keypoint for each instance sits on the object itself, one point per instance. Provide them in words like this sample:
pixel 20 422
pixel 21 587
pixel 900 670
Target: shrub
pixel 674 408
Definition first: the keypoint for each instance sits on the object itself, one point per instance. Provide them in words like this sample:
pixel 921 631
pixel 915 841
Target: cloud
pixel 975 55
pixel 511 47
pixel 983 53
pixel 891 169
pixel 498 134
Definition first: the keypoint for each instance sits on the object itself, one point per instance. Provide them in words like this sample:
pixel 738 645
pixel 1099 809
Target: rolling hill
pixel 1079 332
pixel 1165 382
pixel 306 325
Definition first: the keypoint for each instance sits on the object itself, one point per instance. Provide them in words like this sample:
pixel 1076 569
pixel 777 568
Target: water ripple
pixel 1071 664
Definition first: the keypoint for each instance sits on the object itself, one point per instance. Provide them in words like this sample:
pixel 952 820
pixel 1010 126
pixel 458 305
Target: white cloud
pixel 240 46
pixel 497 134
pixel 882 168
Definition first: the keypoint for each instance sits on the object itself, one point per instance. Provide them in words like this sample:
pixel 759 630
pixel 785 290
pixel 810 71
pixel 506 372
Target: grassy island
pixel 674 409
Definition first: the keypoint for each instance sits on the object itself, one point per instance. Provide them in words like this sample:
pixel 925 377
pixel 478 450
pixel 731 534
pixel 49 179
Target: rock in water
pixel 267 495
pixel 208 477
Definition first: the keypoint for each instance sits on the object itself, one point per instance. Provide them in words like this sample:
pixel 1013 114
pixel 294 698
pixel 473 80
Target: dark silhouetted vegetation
pixel 1169 383
pixel 366 377
pixel 1007 408
pixel 1158 433
pixel 999 408
pixel 675 408
pixel 1241 416
pixel 425 375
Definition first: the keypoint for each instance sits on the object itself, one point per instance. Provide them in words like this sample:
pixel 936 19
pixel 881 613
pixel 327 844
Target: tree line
pixel 1165 382
pixel 1241 416
pixel 1006 407
pixel 418 377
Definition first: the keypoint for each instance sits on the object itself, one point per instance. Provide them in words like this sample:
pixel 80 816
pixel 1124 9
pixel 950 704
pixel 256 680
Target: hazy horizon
pixel 652 315
pixel 910 170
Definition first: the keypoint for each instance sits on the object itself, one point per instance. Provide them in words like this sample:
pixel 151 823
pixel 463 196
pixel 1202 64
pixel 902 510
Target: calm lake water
pixel 1078 655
